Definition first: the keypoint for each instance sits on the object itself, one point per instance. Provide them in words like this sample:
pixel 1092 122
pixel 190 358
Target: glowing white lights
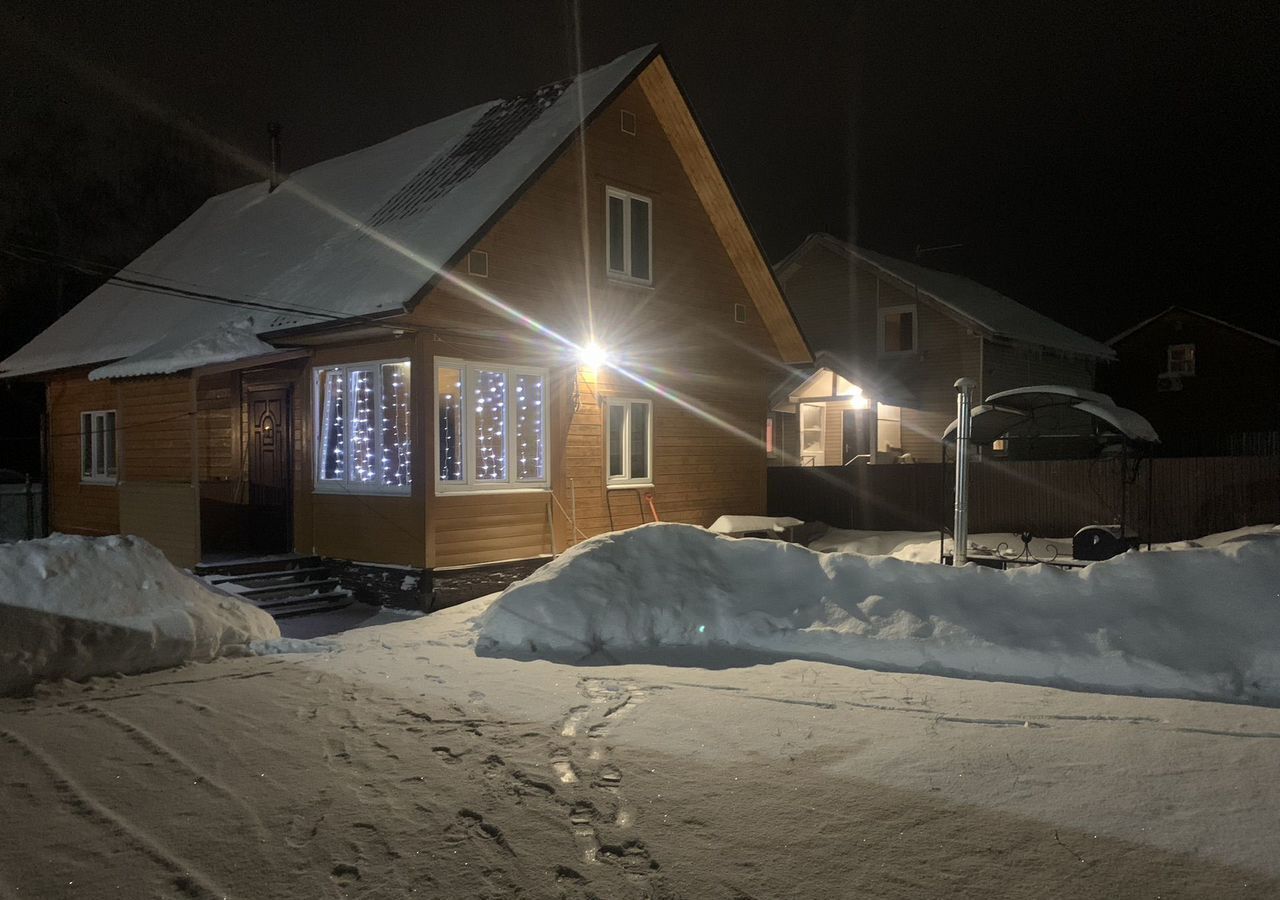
pixel 364 433
pixel 491 428
pixel 592 356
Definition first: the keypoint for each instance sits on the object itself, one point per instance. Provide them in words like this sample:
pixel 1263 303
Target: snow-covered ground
pixel 403 764
pixel 71 607
pixel 1197 623
pixel 397 761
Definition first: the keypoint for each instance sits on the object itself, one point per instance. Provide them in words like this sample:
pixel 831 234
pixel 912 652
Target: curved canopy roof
pixel 1006 410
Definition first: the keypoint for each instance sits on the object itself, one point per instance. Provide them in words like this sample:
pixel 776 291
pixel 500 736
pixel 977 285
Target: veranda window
pixel 491 426
pixel 98 446
pixel 363 437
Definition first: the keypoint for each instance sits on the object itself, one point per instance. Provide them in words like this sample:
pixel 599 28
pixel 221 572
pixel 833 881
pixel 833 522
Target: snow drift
pixel 72 607
pixel 1195 623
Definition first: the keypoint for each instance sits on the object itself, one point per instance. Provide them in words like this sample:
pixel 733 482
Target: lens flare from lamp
pixel 592 356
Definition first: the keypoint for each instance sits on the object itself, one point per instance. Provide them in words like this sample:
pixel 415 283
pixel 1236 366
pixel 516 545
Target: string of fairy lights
pixel 374 443
pixel 504 419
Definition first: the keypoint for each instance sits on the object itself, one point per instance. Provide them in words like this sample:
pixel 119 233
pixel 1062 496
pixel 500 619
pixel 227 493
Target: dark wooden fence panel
pixel 1170 499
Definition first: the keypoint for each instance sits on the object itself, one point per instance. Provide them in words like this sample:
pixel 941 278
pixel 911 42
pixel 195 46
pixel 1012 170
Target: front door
pixel 857 433
pixel 270 465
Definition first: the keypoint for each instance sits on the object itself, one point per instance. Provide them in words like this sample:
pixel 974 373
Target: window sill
pixel 620 278
pixel 101 482
pixel 473 491
pixel 629 486
pixel 329 491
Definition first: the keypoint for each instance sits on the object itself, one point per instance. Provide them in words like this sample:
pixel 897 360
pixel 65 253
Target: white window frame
pixel 332 486
pixel 1169 369
pixel 915 329
pixel 101 471
pixel 627 199
pixel 820 457
pixel 625 479
pixel 468 484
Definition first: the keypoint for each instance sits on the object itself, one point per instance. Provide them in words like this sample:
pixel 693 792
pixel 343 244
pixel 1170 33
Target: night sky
pixel 1098 162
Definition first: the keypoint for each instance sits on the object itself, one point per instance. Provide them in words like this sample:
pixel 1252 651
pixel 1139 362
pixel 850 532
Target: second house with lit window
pixel 485 339
pixel 890 339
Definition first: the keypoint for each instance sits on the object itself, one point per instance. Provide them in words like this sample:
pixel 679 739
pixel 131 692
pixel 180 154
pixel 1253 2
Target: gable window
pixel 629 441
pixel 491 426
pixel 363 439
pixel 629 236
pixel 98 446
pixel 1181 359
pixel 897 329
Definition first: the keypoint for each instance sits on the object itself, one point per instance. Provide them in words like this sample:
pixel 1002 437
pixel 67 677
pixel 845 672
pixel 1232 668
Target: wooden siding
pixel 77 508
pixel 165 513
pixel 680 331
pixel 156 417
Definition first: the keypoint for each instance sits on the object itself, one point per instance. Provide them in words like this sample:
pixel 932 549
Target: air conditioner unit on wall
pixel 1168 381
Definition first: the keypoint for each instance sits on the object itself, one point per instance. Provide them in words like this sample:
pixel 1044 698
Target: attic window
pixel 1181 359
pixel 739 313
pixel 478 263
pixel 629 236
pixel 897 332
pixel 628 122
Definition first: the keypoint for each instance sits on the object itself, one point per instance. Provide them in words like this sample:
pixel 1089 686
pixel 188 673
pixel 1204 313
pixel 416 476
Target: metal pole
pixel 964 426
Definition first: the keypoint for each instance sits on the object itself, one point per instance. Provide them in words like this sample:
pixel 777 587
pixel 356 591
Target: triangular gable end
pixel 706 176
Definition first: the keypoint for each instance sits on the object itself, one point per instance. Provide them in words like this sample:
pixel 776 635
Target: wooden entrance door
pixel 270 468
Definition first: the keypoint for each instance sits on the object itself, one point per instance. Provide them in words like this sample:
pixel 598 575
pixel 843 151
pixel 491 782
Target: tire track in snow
pixel 185 877
pixel 156 747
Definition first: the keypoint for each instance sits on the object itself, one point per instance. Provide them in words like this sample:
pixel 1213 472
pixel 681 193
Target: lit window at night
pixel 364 438
pixel 490 426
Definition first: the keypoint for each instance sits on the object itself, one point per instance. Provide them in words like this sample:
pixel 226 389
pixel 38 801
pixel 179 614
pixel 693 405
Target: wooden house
pixel 1209 387
pixel 485 339
pixel 890 338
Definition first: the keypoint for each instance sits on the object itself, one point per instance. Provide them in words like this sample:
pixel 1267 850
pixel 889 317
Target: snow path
pixel 405 763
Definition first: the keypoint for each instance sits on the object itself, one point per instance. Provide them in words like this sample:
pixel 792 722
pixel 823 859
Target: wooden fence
pixel 1167 499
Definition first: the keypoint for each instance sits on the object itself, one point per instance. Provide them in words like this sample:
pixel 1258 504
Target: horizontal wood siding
pixel 77 508
pixel 166 514
pixel 680 333
pixel 221 454
pixel 155 416
pixel 1189 497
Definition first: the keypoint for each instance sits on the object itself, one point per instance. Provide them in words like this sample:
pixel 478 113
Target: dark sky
pixel 1097 161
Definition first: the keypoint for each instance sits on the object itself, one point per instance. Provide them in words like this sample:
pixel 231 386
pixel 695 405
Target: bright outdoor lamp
pixel 592 356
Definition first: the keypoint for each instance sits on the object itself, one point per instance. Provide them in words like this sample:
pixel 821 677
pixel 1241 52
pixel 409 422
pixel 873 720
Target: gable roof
pixel 1111 342
pixel 350 238
pixel 963 299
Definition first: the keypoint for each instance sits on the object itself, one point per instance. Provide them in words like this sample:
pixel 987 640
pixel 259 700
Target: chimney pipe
pixel 964 429
pixel 273 129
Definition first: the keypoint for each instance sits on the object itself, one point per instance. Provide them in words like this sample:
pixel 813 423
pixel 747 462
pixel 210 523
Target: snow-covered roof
pixel 1007 409
pixel 355 236
pixel 1111 342
pixel 974 303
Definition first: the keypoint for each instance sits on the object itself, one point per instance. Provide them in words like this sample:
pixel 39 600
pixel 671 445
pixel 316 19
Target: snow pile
pixel 1197 623
pixel 742 524
pixel 76 606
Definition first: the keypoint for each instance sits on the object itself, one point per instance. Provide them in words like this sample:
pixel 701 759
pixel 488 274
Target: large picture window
pixel 629 441
pixel 629 226
pixel 363 437
pixel 491 426
pixel 98 446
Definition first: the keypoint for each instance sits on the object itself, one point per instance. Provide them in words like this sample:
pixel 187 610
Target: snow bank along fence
pixel 1189 496
pixel 21 511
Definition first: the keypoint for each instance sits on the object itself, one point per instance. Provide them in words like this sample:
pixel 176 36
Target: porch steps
pixel 288 586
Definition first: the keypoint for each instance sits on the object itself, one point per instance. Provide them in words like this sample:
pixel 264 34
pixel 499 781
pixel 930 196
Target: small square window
pixel 1181 359
pixel 629 236
pixel 897 330
pixel 740 313
pixel 628 122
pixel 478 263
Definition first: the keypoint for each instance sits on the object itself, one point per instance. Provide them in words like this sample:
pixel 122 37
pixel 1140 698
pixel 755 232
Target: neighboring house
pixel 383 359
pixel 1208 387
pixel 889 339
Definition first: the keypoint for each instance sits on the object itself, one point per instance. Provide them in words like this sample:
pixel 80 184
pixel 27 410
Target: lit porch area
pixel 827 419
